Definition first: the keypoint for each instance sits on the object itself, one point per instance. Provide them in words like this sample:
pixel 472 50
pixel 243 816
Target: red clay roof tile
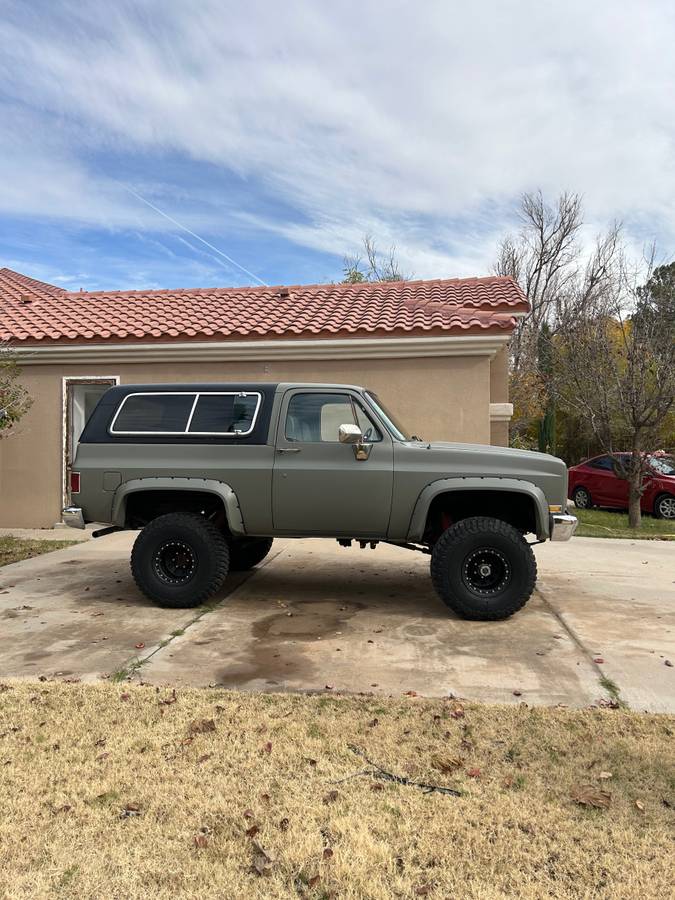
pixel 32 311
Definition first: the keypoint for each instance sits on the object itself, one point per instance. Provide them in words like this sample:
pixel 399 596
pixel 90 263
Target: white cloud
pixel 418 122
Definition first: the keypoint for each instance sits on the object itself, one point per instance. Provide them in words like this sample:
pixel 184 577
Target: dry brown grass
pixel 107 793
pixel 13 549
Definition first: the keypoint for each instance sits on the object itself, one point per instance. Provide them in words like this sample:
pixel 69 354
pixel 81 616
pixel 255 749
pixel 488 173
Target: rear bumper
pixel 563 526
pixel 72 516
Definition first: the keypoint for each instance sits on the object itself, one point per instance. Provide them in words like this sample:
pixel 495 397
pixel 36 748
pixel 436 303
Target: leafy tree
pixel 615 368
pixel 14 399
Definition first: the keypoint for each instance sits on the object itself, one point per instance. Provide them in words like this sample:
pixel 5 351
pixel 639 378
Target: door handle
pixel 288 449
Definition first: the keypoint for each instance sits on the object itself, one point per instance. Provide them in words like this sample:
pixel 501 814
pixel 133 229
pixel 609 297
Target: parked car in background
pixel 595 483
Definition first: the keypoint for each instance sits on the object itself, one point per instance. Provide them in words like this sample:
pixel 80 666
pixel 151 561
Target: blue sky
pixel 282 132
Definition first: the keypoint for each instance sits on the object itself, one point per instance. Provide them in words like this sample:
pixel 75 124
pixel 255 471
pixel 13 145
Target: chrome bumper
pixel 563 526
pixel 72 516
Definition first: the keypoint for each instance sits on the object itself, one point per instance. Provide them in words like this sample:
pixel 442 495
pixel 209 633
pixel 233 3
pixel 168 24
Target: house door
pixel 80 396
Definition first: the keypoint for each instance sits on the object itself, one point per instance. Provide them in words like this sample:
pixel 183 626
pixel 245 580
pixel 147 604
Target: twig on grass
pixel 379 772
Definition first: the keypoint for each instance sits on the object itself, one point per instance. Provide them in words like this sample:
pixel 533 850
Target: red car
pixel 593 483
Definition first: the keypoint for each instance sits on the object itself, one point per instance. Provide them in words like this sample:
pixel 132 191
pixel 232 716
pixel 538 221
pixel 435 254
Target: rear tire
pixel 179 560
pixel 247 553
pixel 582 498
pixel 664 507
pixel 483 568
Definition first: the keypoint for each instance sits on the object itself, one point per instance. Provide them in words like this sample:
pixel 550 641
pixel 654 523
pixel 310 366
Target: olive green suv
pixel 211 473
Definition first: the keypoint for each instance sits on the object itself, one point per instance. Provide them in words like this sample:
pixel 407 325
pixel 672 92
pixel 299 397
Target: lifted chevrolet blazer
pixel 211 473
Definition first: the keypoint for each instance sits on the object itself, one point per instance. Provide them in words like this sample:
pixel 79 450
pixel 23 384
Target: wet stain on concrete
pixel 276 651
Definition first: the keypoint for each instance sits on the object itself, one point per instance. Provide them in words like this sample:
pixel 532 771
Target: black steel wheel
pixel 248 552
pixel 179 560
pixel 483 568
pixel 582 498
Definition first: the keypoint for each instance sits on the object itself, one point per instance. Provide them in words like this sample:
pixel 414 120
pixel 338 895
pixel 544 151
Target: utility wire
pixel 192 233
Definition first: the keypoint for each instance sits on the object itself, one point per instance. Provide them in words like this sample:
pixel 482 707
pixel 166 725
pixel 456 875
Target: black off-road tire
pixel 247 553
pixel 582 491
pixel 664 507
pixel 468 549
pixel 179 560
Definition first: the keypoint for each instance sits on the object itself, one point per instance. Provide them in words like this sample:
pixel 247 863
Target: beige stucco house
pixel 436 351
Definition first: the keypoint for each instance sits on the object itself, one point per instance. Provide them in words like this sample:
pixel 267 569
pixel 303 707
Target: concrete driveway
pixel 316 616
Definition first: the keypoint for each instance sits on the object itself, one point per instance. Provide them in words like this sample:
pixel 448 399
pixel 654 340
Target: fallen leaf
pixel 265 798
pixel 587 795
pixel 140 645
pixel 268 747
pixel 327 853
pixel 247 814
pixel 605 775
pixel 373 723
pixel 252 831
pixel 202 726
pixel 422 890
pixel 130 810
pixel 457 712
pixel 283 824
pixel 598 659
pixel 102 756
pixel 640 805
pixel 202 759
pixel 473 773
pixel 411 693
pixel 331 797
pixel 313 881
pixel 201 841
pixel 446 763
pixel 172 698
pixel 517 693
pixel 329 687
pixel 125 696
pixel 668 663
pixel 376 787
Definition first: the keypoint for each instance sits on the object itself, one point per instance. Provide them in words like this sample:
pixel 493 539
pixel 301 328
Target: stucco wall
pixel 439 398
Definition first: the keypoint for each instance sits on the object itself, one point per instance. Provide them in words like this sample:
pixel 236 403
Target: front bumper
pixel 563 526
pixel 72 516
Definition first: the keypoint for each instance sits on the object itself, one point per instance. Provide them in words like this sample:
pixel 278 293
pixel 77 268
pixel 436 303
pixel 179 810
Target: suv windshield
pixel 394 427
pixel 664 465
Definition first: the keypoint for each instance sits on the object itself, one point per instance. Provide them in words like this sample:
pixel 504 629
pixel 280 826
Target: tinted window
pixel 224 414
pixel 602 462
pixel 154 413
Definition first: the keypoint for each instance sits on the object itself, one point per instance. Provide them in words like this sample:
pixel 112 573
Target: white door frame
pixel 66 382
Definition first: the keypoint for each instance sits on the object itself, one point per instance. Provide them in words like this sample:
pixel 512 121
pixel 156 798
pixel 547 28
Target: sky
pixel 281 133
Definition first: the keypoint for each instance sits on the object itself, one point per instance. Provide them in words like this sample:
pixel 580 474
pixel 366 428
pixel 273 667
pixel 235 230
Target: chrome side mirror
pixel 350 434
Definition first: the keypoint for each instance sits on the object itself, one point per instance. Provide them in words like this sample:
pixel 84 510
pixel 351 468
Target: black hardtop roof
pixel 190 387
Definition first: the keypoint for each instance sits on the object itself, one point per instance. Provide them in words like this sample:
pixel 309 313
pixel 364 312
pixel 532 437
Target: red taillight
pixel 74 482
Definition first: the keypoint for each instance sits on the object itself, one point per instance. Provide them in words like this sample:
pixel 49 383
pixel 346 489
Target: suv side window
pixel 316 417
pixel 153 414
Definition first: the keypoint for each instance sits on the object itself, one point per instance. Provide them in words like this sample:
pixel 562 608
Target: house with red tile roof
pixel 435 351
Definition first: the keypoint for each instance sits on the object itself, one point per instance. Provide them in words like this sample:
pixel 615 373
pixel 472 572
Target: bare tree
pixel 547 259
pixel 615 367
pixel 14 399
pixel 374 267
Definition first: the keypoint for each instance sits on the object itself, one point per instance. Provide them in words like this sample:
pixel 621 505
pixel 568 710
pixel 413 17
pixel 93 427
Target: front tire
pixel 483 568
pixel 582 498
pixel 664 507
pixel 179 560
pixel 248 552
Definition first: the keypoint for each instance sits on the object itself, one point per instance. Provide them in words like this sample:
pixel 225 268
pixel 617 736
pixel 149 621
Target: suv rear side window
pixel 226 413
pixel 153 414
